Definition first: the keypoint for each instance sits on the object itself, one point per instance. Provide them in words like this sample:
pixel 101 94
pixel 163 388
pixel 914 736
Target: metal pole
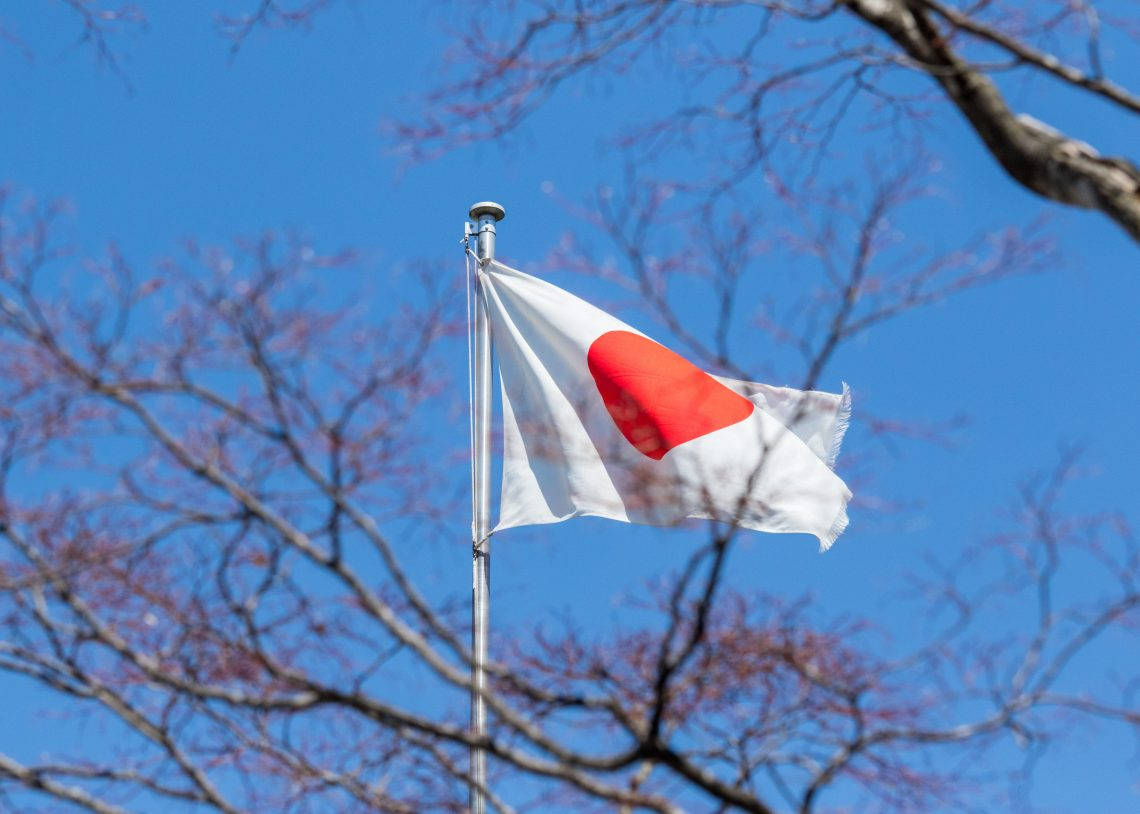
pixel 485 214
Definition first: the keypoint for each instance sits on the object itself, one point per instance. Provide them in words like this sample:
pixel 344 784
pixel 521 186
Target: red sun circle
pixel 658 399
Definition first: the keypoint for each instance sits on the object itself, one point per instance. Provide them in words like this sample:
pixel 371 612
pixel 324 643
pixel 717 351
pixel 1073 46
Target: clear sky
pixel 288 135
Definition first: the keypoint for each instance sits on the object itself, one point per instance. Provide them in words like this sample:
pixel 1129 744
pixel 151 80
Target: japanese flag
pixel 598 419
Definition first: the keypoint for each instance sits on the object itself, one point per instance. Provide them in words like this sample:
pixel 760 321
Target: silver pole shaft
pixel 486 214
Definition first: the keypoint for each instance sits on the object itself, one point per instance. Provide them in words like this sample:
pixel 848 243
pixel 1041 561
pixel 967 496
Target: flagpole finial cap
pixel 487 209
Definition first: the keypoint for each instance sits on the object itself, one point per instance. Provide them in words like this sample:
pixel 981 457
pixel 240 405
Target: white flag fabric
pixel 598 419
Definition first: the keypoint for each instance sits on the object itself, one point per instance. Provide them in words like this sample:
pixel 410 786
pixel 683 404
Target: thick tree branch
pixel 1032 56
pixel 1037 156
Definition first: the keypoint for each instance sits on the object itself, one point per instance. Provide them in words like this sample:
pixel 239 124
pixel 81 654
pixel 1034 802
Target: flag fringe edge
pixel 842 419
pixel 838 525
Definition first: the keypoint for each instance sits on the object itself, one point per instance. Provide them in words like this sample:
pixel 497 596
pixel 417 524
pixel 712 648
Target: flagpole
pixel 485 214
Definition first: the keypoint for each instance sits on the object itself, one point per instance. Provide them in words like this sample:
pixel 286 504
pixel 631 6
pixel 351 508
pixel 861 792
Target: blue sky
pixel 288 135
